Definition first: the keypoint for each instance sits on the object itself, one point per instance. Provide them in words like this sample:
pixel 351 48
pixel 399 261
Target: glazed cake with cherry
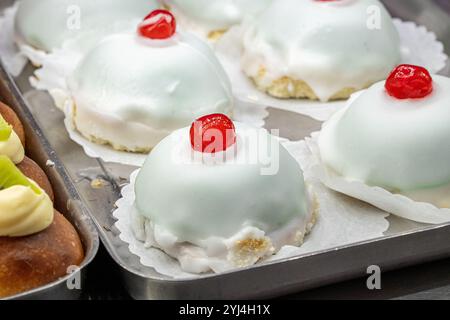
pixel 133 89
pixel 229 210
pixel 395 135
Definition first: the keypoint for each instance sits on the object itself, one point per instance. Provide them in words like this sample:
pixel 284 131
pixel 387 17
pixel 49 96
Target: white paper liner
pixel 396 204
pixel 341 221
pixel 418 46
pixel 246 113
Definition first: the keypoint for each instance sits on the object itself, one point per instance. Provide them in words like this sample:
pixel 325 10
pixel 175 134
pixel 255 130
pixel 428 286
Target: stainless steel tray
pixel 405 243
pixel 67 200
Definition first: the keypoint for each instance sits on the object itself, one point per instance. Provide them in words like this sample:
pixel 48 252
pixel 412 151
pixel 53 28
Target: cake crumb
pixel 98 183
pixel 248 251
pixel 50 163
pixel 216 35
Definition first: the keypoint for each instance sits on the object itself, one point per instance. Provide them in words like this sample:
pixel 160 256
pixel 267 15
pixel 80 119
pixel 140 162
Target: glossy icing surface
pixel 329 45
pixel 46 24
pixel 401 145
pixel 195 199
pixel 24 212
pixel 132 91
pixel 12 148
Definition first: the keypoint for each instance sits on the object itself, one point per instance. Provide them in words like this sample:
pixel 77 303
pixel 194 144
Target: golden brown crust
pixel 35 173
pixel 33 261
pixel 289 88
pixel 11 117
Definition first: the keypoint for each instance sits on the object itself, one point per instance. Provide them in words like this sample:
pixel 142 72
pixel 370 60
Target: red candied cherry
pixel 409 82
pixel 159 24
pixel 212 133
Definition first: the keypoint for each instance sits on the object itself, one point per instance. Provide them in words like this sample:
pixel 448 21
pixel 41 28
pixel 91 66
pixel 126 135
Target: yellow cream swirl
pixel 12 148
pixel 24 212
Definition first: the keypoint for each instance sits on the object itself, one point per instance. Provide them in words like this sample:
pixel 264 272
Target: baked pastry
pixel 12 119
pixel 46 24
pixel 32 170
pixel 206 196
pixel 33 261
pixel 323 50
pixel 10 143
pixel 214 17
pixel 37 244
pixel 132 90
pixel 395 135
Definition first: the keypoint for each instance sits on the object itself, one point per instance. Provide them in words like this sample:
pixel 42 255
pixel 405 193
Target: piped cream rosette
pixel 248 217
pixel 10 144
pixel 25 209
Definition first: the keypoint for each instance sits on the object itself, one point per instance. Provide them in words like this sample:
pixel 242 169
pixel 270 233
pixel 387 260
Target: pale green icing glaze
pixel 401 145
pixel 133 91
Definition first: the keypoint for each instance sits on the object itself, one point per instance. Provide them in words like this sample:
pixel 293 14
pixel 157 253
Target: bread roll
pixel 35 173
pixel 33 261
pixel 11 117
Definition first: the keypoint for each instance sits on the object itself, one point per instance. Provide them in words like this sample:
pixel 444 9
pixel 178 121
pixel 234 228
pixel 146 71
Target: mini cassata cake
pixel 320 50
pixel 395 135
pixel 37 244
pixel 220 195
pixel 214 17
pixel 46 24
pixel 132 90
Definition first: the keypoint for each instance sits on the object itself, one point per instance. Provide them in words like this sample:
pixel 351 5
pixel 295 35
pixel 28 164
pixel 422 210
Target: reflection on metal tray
pixel 405 244
pixel 67 200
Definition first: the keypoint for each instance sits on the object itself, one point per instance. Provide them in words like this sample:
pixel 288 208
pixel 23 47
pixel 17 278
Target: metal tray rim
pixel 424 229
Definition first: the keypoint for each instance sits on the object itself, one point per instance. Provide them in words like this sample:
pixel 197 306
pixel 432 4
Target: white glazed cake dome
pixel 215 16
pixel 320 49
pixel 46 24
pixel 131 91
pixel 225 214
pixel 402 145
